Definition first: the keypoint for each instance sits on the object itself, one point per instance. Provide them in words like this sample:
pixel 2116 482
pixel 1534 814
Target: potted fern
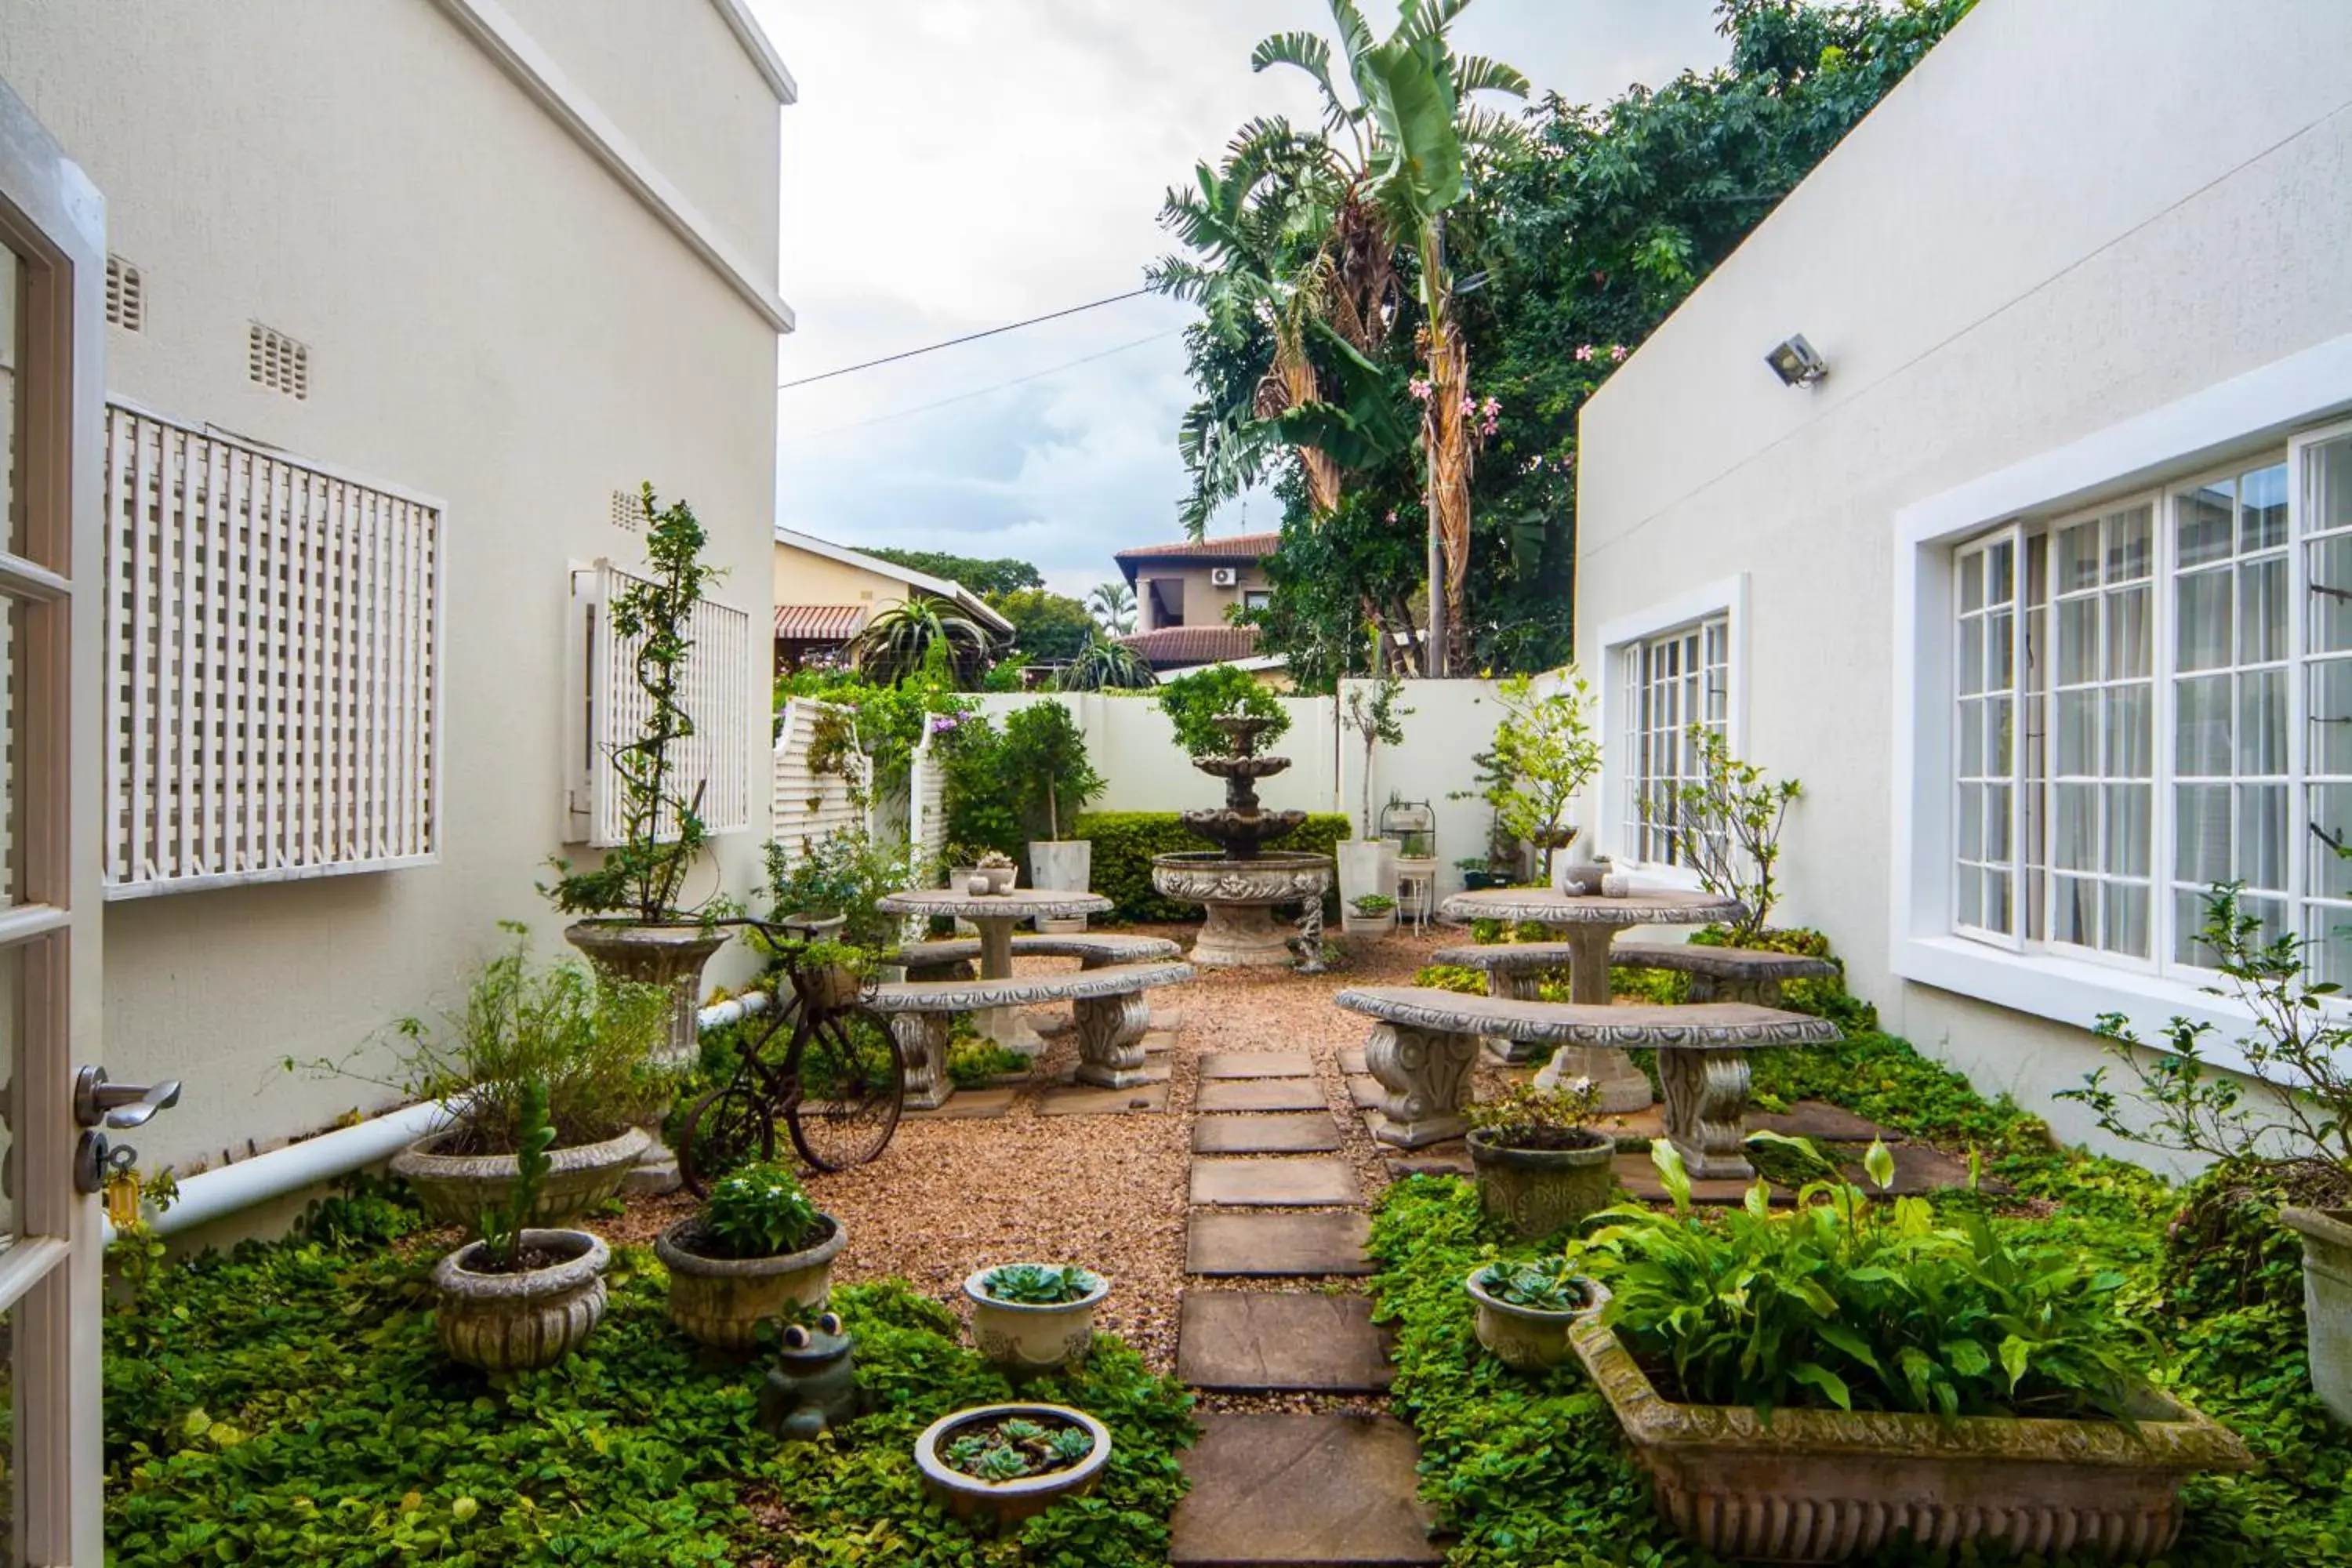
pixel 636 925
pixel 1541 1165
pixel 520 1298
pixel 758 1245
pixel 1034 1317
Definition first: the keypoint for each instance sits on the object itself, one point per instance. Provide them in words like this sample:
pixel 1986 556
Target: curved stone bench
pixel 1422 1048
pixel 1724 974
pixel 1109 1001
pixel 1513 970
pixel 952 960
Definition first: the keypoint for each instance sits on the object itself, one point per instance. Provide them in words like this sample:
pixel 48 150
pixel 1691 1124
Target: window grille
pixel 628 513
pixel 1673 681
pixel 272 635
pixel 276 362
pixel 126 295
pixel 717 692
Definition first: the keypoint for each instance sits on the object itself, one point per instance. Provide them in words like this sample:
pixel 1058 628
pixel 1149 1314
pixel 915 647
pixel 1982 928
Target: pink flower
pixel 1419 388
pixel 1617 351
pixel 1491 406
pixel 1469 405
pixel 1391 515
pixel 1583 353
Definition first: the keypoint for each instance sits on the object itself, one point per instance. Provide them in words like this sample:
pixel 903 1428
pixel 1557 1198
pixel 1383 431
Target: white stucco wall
pixel 493 319
pixel 2070 214
pixel 1131 743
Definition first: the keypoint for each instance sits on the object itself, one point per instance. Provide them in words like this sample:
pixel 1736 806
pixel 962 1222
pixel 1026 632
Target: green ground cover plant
pixel 287 1403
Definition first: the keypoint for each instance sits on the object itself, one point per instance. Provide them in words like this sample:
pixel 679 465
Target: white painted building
pixel 2041 589
pixel 506 260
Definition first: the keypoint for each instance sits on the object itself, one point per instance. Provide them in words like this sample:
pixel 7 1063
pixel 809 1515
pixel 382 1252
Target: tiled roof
pixel 1231 547
pixel 818 622
pixel 1174 648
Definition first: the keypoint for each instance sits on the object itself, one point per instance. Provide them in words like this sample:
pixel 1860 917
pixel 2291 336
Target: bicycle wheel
pixel 849 1084
pixel 731 1127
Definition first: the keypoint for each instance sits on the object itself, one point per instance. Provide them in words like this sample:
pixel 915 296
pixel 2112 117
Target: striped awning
pixel 818 622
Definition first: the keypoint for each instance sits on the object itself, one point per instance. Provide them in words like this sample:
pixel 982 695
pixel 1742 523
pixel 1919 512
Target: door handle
pixel 120 1106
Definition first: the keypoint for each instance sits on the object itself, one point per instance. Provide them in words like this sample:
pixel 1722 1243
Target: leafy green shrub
pixel 1044 768
pixel 978 1061
pixel 760 1211
pixel 844 873
pixel 1125 841
pixel 1193 701
pixel 1452 977
pixel 974 796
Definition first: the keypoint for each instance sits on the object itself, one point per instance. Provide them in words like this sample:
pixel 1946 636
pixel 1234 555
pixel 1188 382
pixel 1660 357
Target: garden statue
pixel 813 1385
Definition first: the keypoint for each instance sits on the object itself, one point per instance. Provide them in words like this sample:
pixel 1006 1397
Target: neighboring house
pixel 825 592
pixel 2041 590
pixel 507 258
pixel 1172 649
pixel 1194 582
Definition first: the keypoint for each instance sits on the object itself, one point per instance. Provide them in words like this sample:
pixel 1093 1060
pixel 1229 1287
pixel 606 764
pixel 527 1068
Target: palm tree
pixel 897 642
pixel 1113 605
pixel 1106 665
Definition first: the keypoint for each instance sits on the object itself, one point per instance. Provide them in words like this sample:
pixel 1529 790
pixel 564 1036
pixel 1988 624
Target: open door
pixel 52 315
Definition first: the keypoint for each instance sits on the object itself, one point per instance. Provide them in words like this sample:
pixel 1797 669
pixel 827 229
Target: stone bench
pixel 953 960
pixel 1426 1040
pixel 1724 974
pixel 1109 1001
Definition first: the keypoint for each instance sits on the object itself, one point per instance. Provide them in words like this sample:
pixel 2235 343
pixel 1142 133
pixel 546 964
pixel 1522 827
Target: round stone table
pixel 996 915
pixel 1590 922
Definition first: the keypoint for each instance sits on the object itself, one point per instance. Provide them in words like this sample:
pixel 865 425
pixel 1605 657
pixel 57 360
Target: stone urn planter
pixel 1063 865
pixel 2327 1302
pixel 524 1321
pixel 456 1189
pixel 1377 922
pixel 1025 1339
pixel 1821 1485
pixel 672 956
pixel 1525 1339
pixel 722 1302
pixel 1007 1501
pixel 1536 1190
pixel 1367 865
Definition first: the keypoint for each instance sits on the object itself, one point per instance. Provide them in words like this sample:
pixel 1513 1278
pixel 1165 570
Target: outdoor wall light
pixel 1797 363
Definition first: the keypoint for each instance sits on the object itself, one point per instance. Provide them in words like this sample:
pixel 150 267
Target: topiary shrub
pixel 1125 842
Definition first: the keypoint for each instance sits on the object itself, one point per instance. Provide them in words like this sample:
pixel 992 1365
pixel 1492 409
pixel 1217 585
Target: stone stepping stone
pixel 1283 1134
pixel 1158 1042
pixel 968 1105
pixel 1436 1160
pixel 1258 1064
pixel 1302 1489
pixel 1087 1101
pixel 1153 1072
pixel 1275 1245
pixel 1260 1342
pixel 1366 1091
pixel 1260 1094
pixel 1301 1182
pixel 1823 1123
pixel 1167 1020
pixel 1352 1060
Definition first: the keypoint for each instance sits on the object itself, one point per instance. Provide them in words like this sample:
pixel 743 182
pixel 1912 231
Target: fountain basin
pixel 1241 896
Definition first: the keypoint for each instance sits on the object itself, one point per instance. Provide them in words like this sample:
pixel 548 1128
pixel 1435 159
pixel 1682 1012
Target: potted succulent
pixel 1005 1462
pixel 635 928
pixel 1525 1311
pixel 757 1247
pixel 1881 1368
pixel 1540 1163
pixel 587 1044
pixel 1034 1317
pixel 1048 777
pixel 520 1298
pixel 999 871
pixel 1368 914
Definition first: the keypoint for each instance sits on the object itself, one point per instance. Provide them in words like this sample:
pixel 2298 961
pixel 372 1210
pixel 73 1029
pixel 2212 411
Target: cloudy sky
pixel 956 164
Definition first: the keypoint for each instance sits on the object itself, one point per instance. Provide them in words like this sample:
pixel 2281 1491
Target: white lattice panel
pixel 272 635
pixel 809 806
pixel 927 810
pixel 715 691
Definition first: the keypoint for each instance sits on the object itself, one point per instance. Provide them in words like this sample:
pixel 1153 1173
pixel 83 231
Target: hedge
pixel 1125 842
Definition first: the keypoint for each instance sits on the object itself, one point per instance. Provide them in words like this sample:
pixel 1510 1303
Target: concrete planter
pixel 1821 1486
pixel 1024 1339
pixel 722 1302
pixel 1063 865
pixel 1538 1192
pixel 1366 865
pixel 1007 1502
pixel 520 1322
pixel 671 956
pixel 1354 924
pixel 1522 1338
pixel 2327 1302
pixel 456 1189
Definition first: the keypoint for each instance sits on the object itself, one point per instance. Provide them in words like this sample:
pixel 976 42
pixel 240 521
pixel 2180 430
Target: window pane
pixel 12 698
pixel 2329 928
pixel 2125 927
pixel 2188 916
pixel 2078 735
pixel 2074 844
pixel 2129 732
pixel 2328 874
pixel 2128 830
pixel 1972 580
pixel 2078 641
pixel 1968 903
pixel 2200 833
pixel 2001 650
pixel 2261 503
pixel 2127 544
pixel 1996 900
pixel 2328 485
pixel 2201 745
pixel 2261 721
pixel 1998 713
pixel 2331 717
pixel 2127 634
pixel 2000 574
pixel 2078 557
pixel 2074 912
pixel 2202 635
pixel 2261 836
pixel 2262 610
pixel 2331 591
pixel 1996 827
pixel 1972 737
pixel 1972 662
pixel 2202 524
pixel 1971 809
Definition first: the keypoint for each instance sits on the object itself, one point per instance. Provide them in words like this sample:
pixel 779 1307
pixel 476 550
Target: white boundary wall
pixel 1450 722
pixel 1133 746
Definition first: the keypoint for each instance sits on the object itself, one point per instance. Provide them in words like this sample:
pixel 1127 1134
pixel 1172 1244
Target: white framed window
pixel 1667 667
pixel 719 691
pixel 273 637
pixel 2153 695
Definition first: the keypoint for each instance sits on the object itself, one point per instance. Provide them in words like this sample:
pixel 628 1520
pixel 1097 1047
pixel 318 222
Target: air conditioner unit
pixel 1223 576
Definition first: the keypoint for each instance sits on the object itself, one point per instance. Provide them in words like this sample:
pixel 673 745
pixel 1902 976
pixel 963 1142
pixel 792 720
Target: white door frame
pixel 53 219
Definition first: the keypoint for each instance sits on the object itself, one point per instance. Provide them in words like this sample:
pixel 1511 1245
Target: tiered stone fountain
pixel 1241 882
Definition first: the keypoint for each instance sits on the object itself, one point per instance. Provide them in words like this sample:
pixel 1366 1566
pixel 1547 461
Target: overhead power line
pixel 984 391
pixel 967 338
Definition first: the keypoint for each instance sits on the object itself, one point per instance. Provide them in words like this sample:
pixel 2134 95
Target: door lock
pixel 120 1106
pixel 97 1161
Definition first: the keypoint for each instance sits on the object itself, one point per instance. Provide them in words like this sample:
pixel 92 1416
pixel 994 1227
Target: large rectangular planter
pixel 2327 1302
pixel 1823 1486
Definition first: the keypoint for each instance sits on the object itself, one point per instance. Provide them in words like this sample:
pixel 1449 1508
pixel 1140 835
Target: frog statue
pixel 813 1384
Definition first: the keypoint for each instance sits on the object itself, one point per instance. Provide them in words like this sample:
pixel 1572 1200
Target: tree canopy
pixel 984 577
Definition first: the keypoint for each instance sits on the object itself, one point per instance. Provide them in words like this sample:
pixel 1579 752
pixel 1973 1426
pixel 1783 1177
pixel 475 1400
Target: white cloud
pixel 954 165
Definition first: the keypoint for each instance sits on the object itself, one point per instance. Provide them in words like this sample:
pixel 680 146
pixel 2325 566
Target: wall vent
pixel 628 510
pixel 276 362
pixel 126 296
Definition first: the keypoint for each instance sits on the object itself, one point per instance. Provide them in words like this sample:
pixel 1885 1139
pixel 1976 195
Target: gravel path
pixel 1109 1192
